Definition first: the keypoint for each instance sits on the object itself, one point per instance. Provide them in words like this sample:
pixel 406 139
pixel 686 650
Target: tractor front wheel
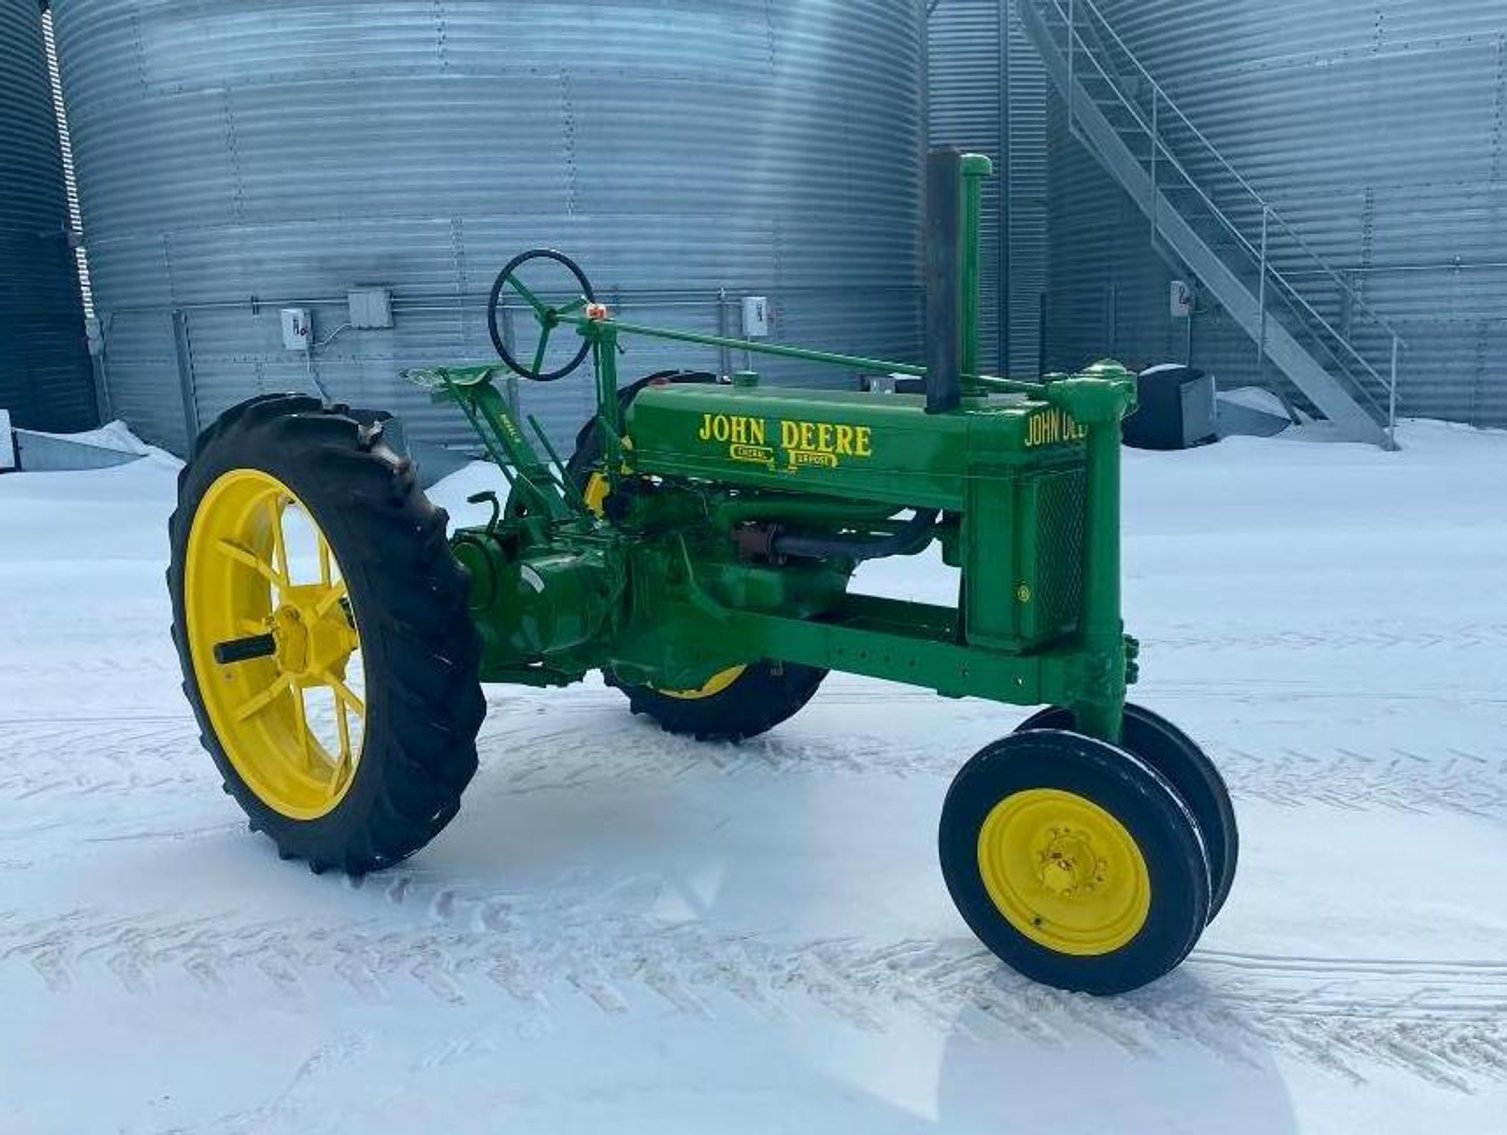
pixel 1177 757
pixel 1075 862
pixel 324 635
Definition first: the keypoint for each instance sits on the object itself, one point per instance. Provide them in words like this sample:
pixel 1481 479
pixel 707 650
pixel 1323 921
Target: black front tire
pixel 1163 830
pixel 1178 758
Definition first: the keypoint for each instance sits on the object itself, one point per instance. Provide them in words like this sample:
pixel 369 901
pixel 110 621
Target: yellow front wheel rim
pixel 1064 872
pixel 292 722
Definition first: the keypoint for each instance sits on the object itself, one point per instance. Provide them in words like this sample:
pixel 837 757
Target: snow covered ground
pixel 628 932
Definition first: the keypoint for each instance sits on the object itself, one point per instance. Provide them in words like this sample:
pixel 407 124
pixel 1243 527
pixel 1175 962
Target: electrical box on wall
pixel 1182 299
pixel 371 309
pixel 755 317
pixel 298 330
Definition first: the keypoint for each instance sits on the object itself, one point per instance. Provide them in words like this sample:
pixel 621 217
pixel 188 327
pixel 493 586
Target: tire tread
pixel 415 621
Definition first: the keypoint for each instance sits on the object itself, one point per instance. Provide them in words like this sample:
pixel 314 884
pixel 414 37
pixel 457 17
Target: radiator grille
pixel 1059 543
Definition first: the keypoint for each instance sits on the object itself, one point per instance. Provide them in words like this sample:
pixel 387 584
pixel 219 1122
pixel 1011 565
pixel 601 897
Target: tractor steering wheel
pixel 548 317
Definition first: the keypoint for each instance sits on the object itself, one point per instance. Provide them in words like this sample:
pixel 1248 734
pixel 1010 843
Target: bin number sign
pixel 1182 299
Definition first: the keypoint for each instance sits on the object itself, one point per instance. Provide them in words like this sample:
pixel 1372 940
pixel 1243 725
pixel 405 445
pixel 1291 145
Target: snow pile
pixel 106 447
pixel 115 436
pixel 630 932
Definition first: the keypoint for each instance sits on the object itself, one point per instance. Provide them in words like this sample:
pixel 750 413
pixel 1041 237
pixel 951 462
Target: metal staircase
pixel 1204 213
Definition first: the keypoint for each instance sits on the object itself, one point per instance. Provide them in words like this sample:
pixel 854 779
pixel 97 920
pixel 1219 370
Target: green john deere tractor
pixel 697 549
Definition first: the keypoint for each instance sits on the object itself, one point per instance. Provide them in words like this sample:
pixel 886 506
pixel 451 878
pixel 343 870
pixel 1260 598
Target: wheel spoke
pixel 301 724
pixel 252 560
pixel 262 700
pixel 343 693
pixel 327 601
pixel 326 561
pixel 533 301
pixel 341 774
pixel 344 724
pixel 539 354
pixel 279 541
pixel 574 306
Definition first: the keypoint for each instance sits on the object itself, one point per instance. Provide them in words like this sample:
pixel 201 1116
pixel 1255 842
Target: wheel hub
pixel 1064 872
pixel 1067 866
pixel 314 634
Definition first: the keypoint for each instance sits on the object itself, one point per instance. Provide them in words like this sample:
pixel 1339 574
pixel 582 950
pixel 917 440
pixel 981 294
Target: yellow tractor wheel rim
pixel 595 493
pixel 1064 872
pixel 292 722
pixel 714 686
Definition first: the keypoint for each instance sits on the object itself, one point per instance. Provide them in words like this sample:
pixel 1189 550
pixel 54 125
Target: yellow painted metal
pixel 715 685
pixel 595 492
pixel 1064 872
pixel 239 581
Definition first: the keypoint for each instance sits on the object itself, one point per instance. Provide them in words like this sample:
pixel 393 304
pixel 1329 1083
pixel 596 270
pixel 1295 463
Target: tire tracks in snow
pixel 1441 1021
pixel 1446 779
pixel 529 746
pixel 1328 637
pixel 98 756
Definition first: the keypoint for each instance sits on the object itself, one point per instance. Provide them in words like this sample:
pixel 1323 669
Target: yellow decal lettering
pixel 1051 427
pixel 816 445
pixel 753 454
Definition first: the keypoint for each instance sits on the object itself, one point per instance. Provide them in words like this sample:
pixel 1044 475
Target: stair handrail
pixel 1161 92
pixel 1270 214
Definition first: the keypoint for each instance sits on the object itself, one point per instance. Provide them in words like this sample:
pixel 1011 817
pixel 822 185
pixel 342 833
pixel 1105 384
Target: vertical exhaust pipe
pixel 944 280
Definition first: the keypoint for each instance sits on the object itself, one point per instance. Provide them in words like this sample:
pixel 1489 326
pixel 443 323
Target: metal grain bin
pixel 236 157
pixel 45 376
pixel 1379 129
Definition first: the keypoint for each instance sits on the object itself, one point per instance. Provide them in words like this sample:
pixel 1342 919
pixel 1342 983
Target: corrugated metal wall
pixel 1107 290
pixel 988 95
pixel 1378 128
pixel 237 156
pixel 966 88
pixel 46 379
pixel 1027 200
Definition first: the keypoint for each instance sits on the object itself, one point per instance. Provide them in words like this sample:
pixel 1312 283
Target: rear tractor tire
pixel 323 630
pixel 738 703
